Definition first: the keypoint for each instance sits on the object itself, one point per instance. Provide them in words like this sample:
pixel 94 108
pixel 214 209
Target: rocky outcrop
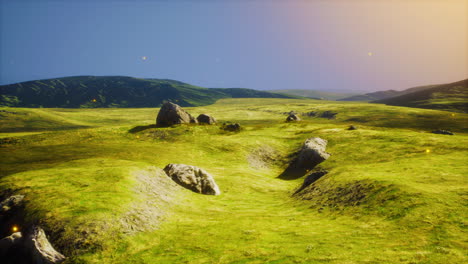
pixel 192 178
pixel 352 127
pixel 293 117
pixel 311 154
pixel 172 114
pixel 34 248
pixel 206 119
pixel 41 249
pixel 11 202
pixel 231 127
pixel 442 132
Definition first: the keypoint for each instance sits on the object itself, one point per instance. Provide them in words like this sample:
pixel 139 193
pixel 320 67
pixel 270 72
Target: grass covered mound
pixel 395 193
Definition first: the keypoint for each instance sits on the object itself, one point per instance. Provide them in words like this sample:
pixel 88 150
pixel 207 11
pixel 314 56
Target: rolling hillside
pixel 384 94
pixel 313 94
pixel 449 97
pixel 394 192
pixel 116 91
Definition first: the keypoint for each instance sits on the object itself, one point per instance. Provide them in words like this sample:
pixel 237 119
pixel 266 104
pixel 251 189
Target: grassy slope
pixel 313 94
pixel 115 91
pixel 449 97
pixel 417 217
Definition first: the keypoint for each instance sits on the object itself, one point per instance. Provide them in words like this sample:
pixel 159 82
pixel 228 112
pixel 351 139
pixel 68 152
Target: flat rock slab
pixel 192 178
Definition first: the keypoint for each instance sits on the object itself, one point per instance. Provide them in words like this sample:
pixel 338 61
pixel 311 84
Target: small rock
pixel 293 117
pixel 442 132
pixel 311 178
pixel 206 119
pixel 172 114
pixel 232 127
pixel 352 128
pixel 192 178
pixel 329 115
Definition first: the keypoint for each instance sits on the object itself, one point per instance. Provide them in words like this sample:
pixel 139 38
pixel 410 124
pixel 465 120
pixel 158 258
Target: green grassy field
pixel 395 193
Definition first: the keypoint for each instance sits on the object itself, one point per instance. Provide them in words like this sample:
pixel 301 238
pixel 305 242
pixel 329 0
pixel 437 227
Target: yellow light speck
pixel 137 136
pixel 94 100
pixel 15 229
pixel 428 150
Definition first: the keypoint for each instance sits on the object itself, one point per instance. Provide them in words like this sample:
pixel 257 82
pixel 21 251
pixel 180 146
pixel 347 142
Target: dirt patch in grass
pixel 264 157
pixel 155 192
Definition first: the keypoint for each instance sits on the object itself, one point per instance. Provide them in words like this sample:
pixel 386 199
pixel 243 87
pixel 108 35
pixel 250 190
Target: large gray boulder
pixel 172 114
pixel 206 119
pixel 192 178
pixel 41 249
pixel 311 154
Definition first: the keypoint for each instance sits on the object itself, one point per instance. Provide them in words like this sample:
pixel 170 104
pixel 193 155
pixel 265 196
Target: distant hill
pixel 313 94
pixel 116 91
pixel 449 97
pixel 384 94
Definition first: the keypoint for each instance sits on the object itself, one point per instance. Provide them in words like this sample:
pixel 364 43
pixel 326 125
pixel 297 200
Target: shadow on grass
pixel 141 128
pixel 292 173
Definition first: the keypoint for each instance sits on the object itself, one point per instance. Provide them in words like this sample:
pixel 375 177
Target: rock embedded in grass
pixel 231 127
pixel 311 154
pixel 311 178
pixel 206 119
pixel 292 118
pixel 352 127
pixel 172 114
pixel 442 132
pixel 328 114
pixel 192 178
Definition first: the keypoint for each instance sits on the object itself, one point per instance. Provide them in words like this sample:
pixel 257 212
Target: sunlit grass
pixel 82 176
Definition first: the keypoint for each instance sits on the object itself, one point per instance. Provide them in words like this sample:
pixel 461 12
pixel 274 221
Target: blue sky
pixel 258 44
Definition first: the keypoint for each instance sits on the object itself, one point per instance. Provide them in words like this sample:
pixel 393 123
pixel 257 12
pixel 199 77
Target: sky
pixel 328 45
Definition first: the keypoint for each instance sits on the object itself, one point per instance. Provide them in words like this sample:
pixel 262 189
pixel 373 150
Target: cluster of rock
pixel 293 116
pixel 172 114
pixel 28 243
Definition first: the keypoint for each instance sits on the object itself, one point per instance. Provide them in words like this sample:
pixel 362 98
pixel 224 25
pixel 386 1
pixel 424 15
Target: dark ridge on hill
pixel 116 91
pixel 448 97
pixel 384 94
pixel 313 94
